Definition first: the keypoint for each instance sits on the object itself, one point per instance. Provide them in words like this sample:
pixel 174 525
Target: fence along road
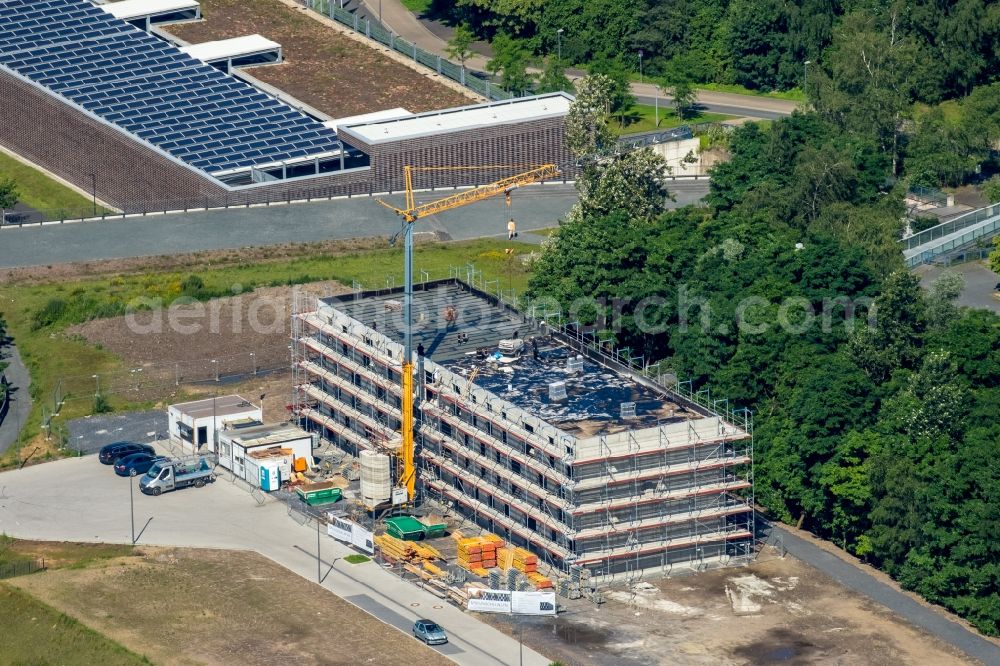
pixel 534 207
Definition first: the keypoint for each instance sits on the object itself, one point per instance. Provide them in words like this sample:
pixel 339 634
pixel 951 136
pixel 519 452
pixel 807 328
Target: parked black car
pixel 136 464
pixel 112 453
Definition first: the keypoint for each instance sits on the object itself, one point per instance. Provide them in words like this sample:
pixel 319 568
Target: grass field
pixel 417 6
pixel 643 119
pixel 36 633
pixel 193 606
pixel 39 313
pixel 59 554
pixel 42 193
pixel 795 94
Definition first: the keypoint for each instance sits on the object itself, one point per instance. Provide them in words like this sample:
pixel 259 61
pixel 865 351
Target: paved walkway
pixel 85 501
pixel 534 207
pixel 934 622
pixel 404 23
pixel 20 397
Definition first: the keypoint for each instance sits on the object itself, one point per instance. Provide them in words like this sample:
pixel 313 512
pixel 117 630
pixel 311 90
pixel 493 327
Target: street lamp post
pixel 559 33
pixel 97 380
pixel 805 77
pixel 253 359
pixel 640 65
pixel 131 503
pixel 656 106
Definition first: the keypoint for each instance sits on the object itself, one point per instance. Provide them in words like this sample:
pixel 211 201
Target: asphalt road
pixel 856 578
pixel 433 37
pixel 739 110
pixel 534 207
pixel 20 396
pixel 85 501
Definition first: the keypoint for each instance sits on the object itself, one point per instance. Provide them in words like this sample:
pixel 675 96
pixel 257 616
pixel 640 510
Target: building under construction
pixel 532 429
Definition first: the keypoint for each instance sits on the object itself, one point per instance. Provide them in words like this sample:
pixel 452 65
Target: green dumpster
pixel 320 493
pixel 433 529
pixel 407 528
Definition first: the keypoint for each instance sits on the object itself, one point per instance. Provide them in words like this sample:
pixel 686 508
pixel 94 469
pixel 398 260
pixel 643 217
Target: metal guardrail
pixel 951 226
pixel 379 33
pixel 653 138
pixel 948 246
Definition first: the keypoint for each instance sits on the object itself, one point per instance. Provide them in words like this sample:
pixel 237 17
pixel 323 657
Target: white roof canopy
pixel 133 9
pixel 518 110
pixel 388 114
pixel 223 49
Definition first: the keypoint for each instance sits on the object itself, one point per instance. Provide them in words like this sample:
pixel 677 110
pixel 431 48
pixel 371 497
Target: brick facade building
pixel 135 176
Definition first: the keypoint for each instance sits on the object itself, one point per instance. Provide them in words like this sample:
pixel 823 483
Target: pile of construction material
pixel 478 554
pixel 409 552
pixel 419 560
pixel 510 568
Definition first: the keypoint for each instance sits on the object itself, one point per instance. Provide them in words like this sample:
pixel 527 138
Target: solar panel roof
pixel 151 89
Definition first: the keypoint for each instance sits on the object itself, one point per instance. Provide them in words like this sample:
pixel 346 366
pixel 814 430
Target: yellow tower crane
pixel 411 214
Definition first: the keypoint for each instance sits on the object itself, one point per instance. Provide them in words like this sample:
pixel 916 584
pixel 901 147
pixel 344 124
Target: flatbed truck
pixel 175 473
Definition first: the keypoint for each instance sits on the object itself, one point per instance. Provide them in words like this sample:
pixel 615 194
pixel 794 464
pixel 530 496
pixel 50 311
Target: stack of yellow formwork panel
pixel 470 555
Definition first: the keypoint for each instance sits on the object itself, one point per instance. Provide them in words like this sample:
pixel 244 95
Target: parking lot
pixel 88 434
pixel 79 499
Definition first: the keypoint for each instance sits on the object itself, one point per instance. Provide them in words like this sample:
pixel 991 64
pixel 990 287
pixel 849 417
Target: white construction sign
pixel 351 533
pixel 505 601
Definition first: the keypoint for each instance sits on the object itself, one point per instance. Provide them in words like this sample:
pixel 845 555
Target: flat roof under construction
pixel 461 331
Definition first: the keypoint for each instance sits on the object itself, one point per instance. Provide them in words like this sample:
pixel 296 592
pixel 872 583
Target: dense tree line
pixel 947 48
pixel 875 401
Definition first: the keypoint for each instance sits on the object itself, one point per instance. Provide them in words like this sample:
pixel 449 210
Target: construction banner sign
pixel 506 601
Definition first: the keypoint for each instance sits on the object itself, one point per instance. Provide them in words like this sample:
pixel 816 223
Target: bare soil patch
pixel 180 606
pixel 323 68
pixel 225 345
pixel 785 612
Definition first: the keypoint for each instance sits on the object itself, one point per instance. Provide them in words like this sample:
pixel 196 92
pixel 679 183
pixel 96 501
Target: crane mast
pixel 410 215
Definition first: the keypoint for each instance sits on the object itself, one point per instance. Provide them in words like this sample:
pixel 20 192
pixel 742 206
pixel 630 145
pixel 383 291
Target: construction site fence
pixel 334 9
pixel 244 199
pixel 21 568
pixel 76 395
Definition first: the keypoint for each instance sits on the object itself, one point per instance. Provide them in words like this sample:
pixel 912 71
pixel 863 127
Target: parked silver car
pixel 429 632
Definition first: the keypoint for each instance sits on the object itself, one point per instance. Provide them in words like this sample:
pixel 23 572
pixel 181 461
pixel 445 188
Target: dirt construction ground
pixel 323 68
pixel 788 613
pixel 179 606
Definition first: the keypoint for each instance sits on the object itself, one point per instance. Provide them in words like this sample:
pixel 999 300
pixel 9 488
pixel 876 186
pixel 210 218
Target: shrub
pixel 50 313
